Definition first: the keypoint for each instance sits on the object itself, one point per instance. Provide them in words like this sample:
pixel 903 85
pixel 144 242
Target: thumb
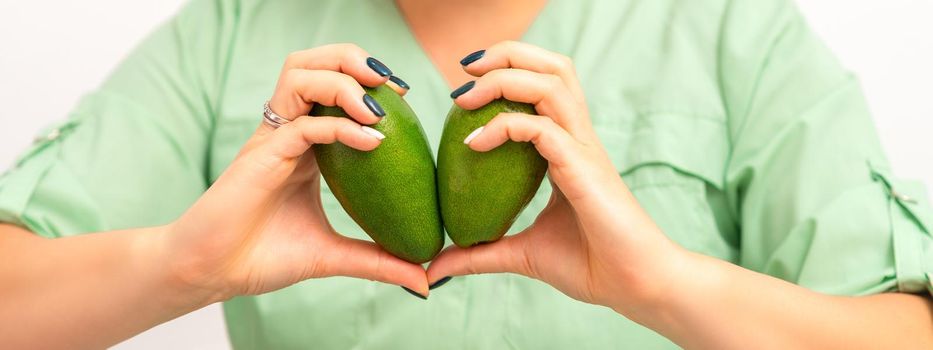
pixel 363 259
pixel 505 255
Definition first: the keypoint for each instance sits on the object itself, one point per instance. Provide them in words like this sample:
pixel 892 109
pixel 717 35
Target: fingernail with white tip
pixel 375 133
pixel 473 135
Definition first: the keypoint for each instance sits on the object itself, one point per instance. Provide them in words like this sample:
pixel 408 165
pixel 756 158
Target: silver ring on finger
pixel 271 119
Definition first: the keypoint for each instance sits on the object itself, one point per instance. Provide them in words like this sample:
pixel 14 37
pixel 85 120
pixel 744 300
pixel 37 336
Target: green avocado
pixel 481 193
pixel 390 191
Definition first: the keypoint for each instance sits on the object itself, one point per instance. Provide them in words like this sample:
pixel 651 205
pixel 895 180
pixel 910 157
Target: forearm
pixel 87 291
pixel 722 306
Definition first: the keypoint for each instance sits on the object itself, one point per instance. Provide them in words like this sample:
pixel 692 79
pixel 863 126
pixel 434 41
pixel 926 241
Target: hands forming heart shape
pixel 261 225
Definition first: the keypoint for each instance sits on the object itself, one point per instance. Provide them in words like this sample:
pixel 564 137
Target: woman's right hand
pixel 261 227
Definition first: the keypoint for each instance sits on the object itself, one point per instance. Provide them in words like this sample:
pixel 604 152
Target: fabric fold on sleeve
pixel 133 153
pixel 910 218
pixel 807 176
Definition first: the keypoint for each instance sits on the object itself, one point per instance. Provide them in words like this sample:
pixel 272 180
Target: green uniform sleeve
pixel 807 177
pixel 134 152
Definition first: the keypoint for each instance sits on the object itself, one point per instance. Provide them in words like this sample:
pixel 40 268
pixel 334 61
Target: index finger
pixel 345 58
pixel 513 54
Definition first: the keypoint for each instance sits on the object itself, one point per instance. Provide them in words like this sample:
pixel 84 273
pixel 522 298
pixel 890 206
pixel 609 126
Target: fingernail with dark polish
pixel 401 83
pixel 377 66
pixel 373 105
pixel 440 282
pixel 422 297
pixel 463 89
pixel 473 57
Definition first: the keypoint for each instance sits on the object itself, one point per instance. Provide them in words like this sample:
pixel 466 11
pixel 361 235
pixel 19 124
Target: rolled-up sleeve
pixel 807 177
pixel 134 152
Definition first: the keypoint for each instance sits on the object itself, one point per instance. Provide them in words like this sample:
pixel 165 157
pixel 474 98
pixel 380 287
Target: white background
pixel 51 52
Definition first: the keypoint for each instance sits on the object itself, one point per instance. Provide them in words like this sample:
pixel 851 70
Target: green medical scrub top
pixel 735 128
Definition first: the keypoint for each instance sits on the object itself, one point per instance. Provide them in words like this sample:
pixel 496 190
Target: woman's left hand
pixel 593 241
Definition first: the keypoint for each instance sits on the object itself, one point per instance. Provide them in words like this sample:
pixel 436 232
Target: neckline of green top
pixel 533 34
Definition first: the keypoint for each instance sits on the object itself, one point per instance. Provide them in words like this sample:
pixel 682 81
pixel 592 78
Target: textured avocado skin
pixel 482 193
pixel 391 191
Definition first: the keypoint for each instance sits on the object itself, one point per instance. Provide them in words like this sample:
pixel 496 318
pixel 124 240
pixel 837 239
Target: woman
pixel 746 155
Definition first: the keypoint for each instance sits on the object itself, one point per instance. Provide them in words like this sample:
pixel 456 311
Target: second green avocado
pixel 482 193
pixel 390 191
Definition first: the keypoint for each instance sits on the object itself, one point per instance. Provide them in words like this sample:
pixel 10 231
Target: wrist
pixel 693 289
pixel 653 287
pixel 649 275
pixel 180 288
